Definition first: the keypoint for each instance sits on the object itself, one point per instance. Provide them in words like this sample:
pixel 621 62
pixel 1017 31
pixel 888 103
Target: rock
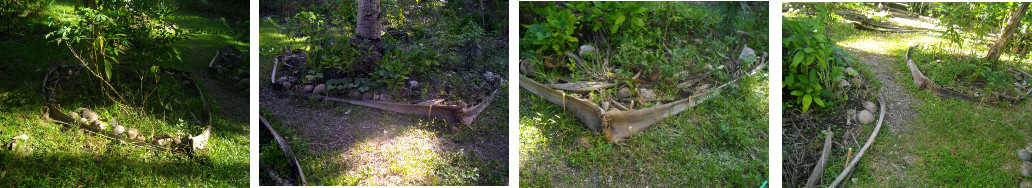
pixel 1028 146
pixel 583 142
pixel 413 84
pixel 354 94
pixel 319 89
pixel 245 81
pixel 585 50
pixel 455 129
pixel 236 78
pixel 99 125
pixel 367 96
pixel 200 142
pixel 850 115
pixel 870 106
pixel 624 93
pixel 73 115
pixel 647 94
pixel 851 71
pixel 865 117
pixel 1024 155
pixel 51 100
pixel 747 53
pixel 132 133
pixel 857 82
pixel 1026 169
pixel 1026 184
pixel 286 85
pixel 307 88
pixel 844 84
pixel 90 115
pixel 385 98
pixel 282 79
pixel 489 75
pixel 527 67
pixel 119 129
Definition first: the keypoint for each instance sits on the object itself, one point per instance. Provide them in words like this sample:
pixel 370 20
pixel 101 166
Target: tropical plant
pixel 555 35
pixel 813 64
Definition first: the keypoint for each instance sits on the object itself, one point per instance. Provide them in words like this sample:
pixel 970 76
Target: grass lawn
pixel 59 156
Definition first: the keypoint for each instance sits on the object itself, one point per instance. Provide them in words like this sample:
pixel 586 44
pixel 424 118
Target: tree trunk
pixel 369 19
pixel 1015 20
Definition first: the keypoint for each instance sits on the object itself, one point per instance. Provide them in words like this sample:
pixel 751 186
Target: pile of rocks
pixel 228 65
pixel 864 116
pixel 91 120
pixel 1025 154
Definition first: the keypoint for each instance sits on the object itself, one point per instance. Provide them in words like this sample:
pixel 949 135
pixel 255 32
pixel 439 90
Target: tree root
pixel 285 147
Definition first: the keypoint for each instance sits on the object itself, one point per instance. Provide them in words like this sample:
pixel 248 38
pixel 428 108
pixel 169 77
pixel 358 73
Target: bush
pixel 812 63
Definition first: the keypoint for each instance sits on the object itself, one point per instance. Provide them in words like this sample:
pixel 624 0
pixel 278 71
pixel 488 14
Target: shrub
pixel 812 63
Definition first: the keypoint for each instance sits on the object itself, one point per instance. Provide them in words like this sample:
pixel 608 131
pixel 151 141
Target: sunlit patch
pixel 397 157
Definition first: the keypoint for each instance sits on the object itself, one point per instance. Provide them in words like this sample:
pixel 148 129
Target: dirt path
pixel 892 165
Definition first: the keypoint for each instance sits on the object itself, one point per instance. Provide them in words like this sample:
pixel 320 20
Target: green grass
pixel 61 156
pixel 705 146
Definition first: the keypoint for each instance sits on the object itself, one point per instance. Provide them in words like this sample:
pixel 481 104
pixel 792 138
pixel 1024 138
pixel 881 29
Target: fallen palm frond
pixel 295 166
pixel 818 170
pixel 619 125
pixel 448 113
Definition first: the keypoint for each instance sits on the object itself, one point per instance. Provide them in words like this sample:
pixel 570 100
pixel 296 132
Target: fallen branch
pixel 818 170
pixel 285 147
pixel 618 125
pixel 860 154
pixel 581 87
pixel 921 82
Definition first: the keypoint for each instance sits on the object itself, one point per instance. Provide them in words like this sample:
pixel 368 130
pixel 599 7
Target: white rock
pixel 647 94
pixel 870 106
pixel 119 129
pixel 746 53
pixel 307 88
pixel 413 84
pixel 865 117
pixel 1026 169
pixel 585 49
pixel 1024 155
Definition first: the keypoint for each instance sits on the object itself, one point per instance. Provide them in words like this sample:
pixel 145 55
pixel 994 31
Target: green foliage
pixel 554 36
pixel 813 64
pixel 9 7
pixel 118 25
pixel 979 19
pixel 346 84
pixel 398 64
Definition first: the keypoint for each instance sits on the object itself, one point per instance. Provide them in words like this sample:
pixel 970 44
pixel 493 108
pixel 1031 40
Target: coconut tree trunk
pixel 369 19
pixel 1015 20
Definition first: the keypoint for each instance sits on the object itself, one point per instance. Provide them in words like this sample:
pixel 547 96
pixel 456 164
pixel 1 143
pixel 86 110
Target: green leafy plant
pixel 813 64
pixel 555 36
